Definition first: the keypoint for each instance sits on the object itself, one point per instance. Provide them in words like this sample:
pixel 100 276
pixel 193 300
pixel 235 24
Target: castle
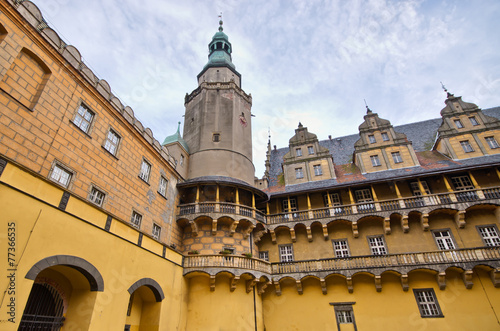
pixel 106 228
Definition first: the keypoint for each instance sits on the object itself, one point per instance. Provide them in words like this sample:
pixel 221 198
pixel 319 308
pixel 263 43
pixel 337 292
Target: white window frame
pixel 372 139
pixel 299 173
pixel 112 142
pixel 385 136
pixel 84 118
pixel 162 186
pixel 298 152
pixel 286 253
pixel 318 171
pixel 492 142
pixel 375 160
pixel 341 248
pixel 466 146
pixel 377 245
pixel 473 121
pixel 310 150
pixel 264 255
pixel 136 219
pixel 156 231
pixel 396 157
pixel 489 235
pixel 458 124
pixel 344 314
pixel 427 302
pixel 61 175
pixel 444 239
pixel 145 171
pixel 96 196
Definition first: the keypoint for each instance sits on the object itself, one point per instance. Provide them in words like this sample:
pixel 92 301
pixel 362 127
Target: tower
pixel 217 126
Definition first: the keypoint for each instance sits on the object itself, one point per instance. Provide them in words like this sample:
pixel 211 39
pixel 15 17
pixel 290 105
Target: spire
pixel 220 49
pixel 176 137
pixel 368 110
pixel 448 94
pixel 220 22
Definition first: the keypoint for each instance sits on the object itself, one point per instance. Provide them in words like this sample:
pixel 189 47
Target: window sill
pixel 79 129
pixel 113 155
pixel 142 179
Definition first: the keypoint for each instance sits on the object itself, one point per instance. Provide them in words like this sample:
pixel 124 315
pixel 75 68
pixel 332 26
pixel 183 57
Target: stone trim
pixel 151 284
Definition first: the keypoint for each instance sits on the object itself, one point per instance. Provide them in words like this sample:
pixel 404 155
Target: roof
pixel 421 134
pixel 176 137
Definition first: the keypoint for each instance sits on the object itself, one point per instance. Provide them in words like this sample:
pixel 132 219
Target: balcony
pixel 225 262
pixel 220 207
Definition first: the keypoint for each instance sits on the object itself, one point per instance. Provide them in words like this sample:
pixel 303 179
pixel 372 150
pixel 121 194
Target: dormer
pixel 380 147
pixel 306 160
pixel 465 131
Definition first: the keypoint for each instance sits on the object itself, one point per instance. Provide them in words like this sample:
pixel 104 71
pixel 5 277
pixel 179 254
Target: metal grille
pixel 44 309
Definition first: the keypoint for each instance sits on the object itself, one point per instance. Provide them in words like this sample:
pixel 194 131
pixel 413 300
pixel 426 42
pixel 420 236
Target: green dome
pixel 176 137
pixel 220 50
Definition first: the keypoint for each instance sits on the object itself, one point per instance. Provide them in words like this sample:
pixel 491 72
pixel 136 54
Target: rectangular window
pixel 136 219
pixel 317 170
pixel 375 160
pixel 372 139
pixel 427 303
pixel 340 248
pixel 83 118
pixel 489 234
pixel 385 136
pixel 492 142
pixel 466 146
pixel 216 137
pixel 112 141
pixel 298 152
pixel 396 157
pixel 264 256
pixel 473 120
pixel 299 173
pixel 462 183
pixel 415 188
pixel 310 150
pixel 96 196
pixel 334 199
pixel 364 195
pixel 182 160
pixel 293 205
pixel 162 188
pixel 377 245
pixel 344 314
pixel 156 231
pixel 444 240
pixel 459 124
pixel 60 175
pixel 286 253
pixel 145 171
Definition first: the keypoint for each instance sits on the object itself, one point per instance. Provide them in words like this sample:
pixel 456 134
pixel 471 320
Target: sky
pixel 308 61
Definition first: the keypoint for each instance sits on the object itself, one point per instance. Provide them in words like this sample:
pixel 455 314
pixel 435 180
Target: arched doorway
pixel 44 309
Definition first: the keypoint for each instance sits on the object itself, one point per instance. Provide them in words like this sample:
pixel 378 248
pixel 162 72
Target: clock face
pixel 243 121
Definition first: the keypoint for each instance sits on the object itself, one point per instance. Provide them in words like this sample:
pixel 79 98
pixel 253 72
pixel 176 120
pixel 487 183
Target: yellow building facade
pixel 105 228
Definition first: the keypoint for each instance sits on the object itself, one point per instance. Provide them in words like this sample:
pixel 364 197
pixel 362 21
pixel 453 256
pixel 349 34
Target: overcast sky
pixel 302 60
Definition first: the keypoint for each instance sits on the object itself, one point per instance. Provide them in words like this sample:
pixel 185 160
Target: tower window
pixel 310 150
pixel 298 152
pixel 396 157
pixel 317 170
pixel 299 173
pixel 216 137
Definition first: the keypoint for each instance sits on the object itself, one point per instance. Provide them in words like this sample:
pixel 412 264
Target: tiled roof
pixel 421 134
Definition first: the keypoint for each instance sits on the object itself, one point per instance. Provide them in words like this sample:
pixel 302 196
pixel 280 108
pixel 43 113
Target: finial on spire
pixel 448 94
pixel 444 87
pixel 368 110
pixel 220 22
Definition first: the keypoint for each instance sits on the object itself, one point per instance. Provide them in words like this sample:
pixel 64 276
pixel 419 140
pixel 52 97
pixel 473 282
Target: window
pixel 377 245
pixel 462 183
pixel 136 219
pixel 83 118
pixel 340 248
pixel 182 160
pixel 298 151
pixel 112 141
pixel 396 157
pixel 264 256
pixel 489 233
pixel 459 124
pixel 334 199
pixel 344 314
pixel 286 253
pixel 371 138
pixel 317 170
pixel 310 150
pixel 466 146
pixel 156 231
pixel 375 160
pixel 492 142
pixel 427 303
pixel 415 188
pixel 385 136
pixel 145 171
pixel 293 205
pixel 444 240
pixel 216 137
pixel 473 120
pixel 96 196
pixel 364 195
pixel 60 175
pixel 162 188
pixel 299 173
